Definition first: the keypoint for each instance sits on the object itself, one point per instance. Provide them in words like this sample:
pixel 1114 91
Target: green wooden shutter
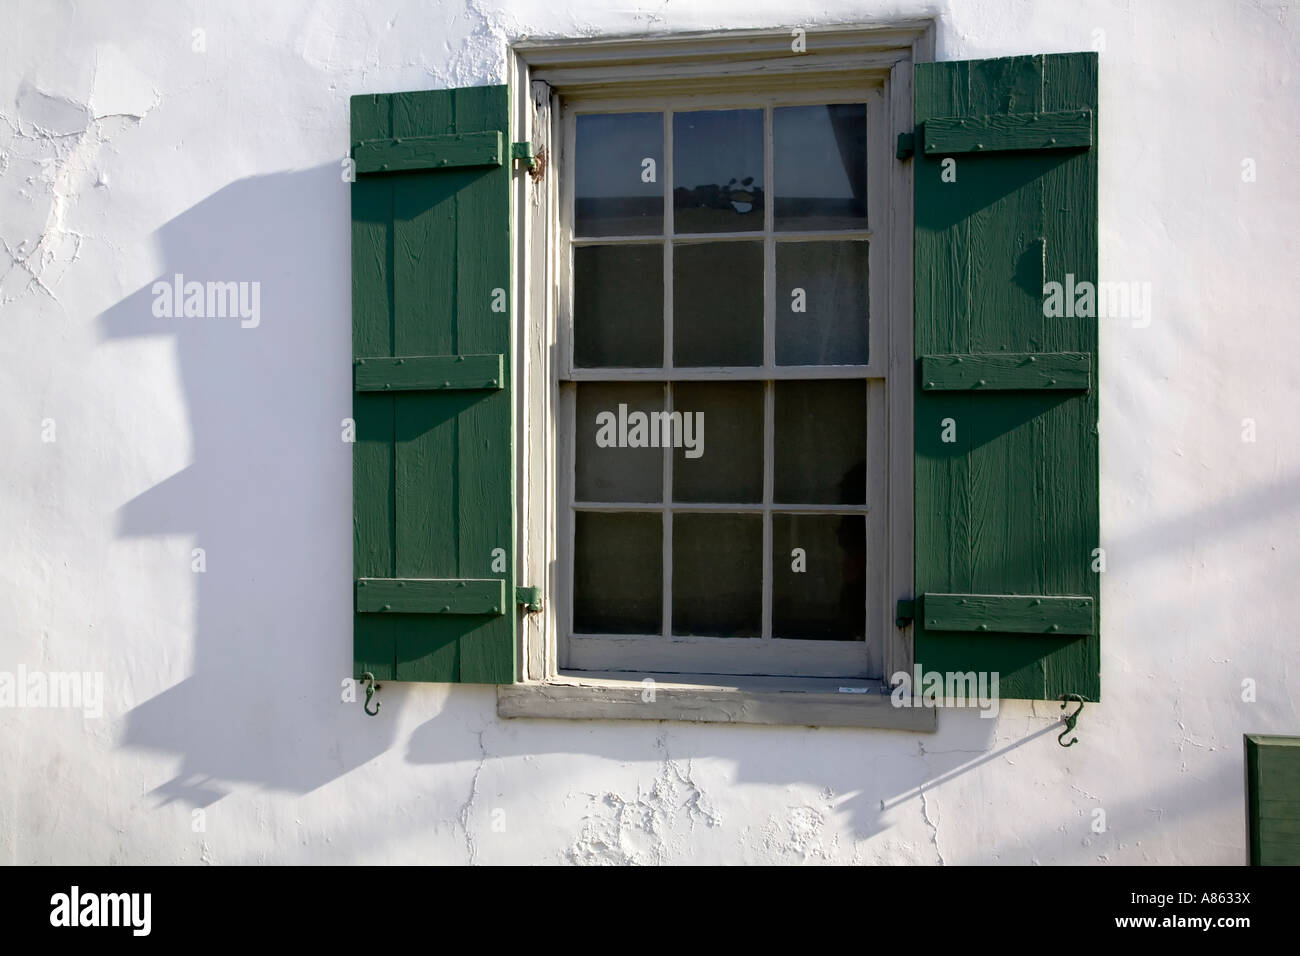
pixel 433 464
pixel 1273 800
pixel 1006 512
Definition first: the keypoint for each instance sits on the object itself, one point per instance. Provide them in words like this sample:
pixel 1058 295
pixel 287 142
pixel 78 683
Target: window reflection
pixel 617 189
pixel 820 165
pixel 718 171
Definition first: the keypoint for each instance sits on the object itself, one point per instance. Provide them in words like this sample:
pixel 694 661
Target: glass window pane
pixel 820 165
pixel 718 171
pixel 616 192
pixel 718 303
pixel 618 306
pixel 729 467
pixel 819 591
pixel 821 442
pixel 615 458
pixel 718 575
pixel 618 573
pixel 821 303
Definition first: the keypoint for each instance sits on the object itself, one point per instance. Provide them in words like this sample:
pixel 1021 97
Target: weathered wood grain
pixel 1007 613
pixel 407 153
pixel 1061 129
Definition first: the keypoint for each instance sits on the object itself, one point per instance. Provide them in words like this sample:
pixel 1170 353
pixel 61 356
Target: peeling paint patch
pixel 800 834
pixel 48 150
pixel 649 828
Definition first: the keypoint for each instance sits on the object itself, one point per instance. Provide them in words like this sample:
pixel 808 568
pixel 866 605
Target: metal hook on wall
pixel 371 687
pixel 1070 719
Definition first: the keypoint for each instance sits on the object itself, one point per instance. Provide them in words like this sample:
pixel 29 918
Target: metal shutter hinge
pixel 905 614
pixel 523 153
pixel 906 145
pixel 530 599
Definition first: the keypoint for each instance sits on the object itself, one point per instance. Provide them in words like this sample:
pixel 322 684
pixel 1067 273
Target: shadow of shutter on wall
pixel 1006 399
pixel 433 494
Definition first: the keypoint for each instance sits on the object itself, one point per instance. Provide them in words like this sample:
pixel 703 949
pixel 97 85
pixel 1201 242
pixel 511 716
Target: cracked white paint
pixel 126 155
pixel 651 826
pixel 53 146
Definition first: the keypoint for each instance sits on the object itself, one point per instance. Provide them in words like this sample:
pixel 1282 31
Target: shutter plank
pixel 429 473
pixel 485 510
pixel 374 647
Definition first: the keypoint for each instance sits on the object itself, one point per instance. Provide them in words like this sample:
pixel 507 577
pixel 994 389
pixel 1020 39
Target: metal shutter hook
pixel 1070 719
pixel 369 680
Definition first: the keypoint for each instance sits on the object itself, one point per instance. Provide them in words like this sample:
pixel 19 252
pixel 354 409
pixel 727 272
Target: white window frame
pixel 864 64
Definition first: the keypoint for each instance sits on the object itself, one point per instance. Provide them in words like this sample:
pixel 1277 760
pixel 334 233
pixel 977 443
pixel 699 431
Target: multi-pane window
pixel 724 467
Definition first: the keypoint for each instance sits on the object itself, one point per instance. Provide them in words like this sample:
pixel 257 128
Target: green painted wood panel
pixel 407 153
pixel 1273 800
pixel 424 596
pixel 428 373
pixel 433 491
pixel 1063 129
pixel 1008 505
pixel 1007 371
pixel 1006 613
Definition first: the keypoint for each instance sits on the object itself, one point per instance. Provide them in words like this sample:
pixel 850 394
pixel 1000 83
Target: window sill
pixel 814 702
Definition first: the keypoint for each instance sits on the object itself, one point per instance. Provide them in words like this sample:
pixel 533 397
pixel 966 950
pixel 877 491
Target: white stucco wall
pixel 126 156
